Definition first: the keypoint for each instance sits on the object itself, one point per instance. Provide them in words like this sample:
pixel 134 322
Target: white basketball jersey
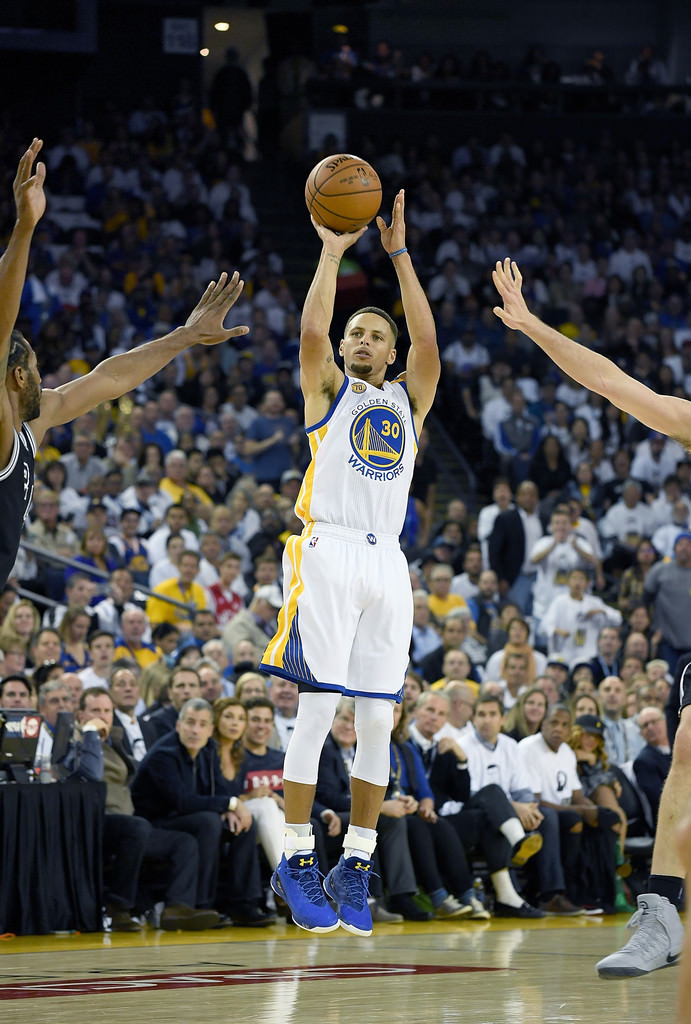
pixel 363 455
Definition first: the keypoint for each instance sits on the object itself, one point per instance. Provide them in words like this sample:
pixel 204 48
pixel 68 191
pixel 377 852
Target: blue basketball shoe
pixel 348 885
pixel 298 882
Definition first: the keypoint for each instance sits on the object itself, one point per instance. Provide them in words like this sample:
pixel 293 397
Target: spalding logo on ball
pixel 343 192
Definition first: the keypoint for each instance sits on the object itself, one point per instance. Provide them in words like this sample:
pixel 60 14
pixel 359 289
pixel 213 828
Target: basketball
pixel 343 192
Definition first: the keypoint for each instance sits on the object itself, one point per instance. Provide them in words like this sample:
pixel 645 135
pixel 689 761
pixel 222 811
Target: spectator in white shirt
pixel 625 523
pixel 656 458
pixel 554 555
pixel 573 621
pixel 101 651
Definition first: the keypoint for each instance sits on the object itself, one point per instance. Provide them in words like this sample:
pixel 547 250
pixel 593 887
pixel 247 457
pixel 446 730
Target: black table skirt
pixel 51 857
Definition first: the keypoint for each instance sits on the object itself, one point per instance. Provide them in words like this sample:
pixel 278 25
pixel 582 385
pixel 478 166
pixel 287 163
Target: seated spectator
pixel 179 786
pixel 574 620
pixel 456 665
pixel 228 595
pixel 183 685
pixel 581 678
pixel 484 820
pixel 73 630
pixel 131 644
pixel 16 691
pixel 176 484
pixel 526 716
pixel 93 553
pixel 425 636
pixel 283 694
pixel 121 595
pixel 53 696
pixel 209 680
pixel 455 635
pixel 624 525
pixel 598 782
pixel 45 650
pixel 651 765
pixel 485 605
pixel 21 622
pixel 332 803
pixel 137 735
pixel 440 600
pixel 182 589
pixel 14 656
pixel 101 647
pixel 53 537
pixel 552 767
pixel 553 556
pixel 632 582
pixel 129 841
pixel 132 551
pixel 256 623
pixel 175 522
pixel 462 695
pixel 250 685
pixel 623 741
pixel 550 469
pixel 518 633
pixel 413 686
pixel 607 661
pixel 79 591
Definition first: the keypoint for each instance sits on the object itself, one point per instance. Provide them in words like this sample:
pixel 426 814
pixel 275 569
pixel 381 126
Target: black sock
pixel 670 886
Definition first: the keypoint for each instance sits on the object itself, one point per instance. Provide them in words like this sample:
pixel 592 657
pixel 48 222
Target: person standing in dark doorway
pixel 229 99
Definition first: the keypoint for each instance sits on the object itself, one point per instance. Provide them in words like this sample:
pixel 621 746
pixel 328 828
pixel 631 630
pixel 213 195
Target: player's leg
pixel 297 879
pixel 348 883
pixel 684 993
pixel 658 939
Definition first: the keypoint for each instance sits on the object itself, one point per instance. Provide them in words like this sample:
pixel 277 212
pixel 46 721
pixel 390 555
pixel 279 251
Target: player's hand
pixel 206 319
pixel 393 236
pixel 336 242
pixel 507 279
pixel 29 197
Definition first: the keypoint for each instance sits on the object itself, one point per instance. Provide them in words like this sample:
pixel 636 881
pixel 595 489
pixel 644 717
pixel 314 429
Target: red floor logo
pixel 249 976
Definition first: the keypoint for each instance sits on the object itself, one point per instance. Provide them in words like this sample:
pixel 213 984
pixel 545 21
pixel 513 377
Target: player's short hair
pixel 380 312
pixel 20 351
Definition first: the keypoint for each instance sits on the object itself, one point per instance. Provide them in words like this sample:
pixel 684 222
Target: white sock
pixel 513 831
pixel 504 888
pixel 297 839
pixel 359 842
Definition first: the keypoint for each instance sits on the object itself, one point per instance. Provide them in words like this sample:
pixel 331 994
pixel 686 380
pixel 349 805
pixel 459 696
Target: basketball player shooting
pixel 27 411
pixel 347 616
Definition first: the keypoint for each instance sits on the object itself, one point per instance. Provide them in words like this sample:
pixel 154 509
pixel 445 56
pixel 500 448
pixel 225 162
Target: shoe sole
pixel 564 913
pixel 319 930
pixel 629 972
pixel 352 928
pixel 528 848
pixel 465 911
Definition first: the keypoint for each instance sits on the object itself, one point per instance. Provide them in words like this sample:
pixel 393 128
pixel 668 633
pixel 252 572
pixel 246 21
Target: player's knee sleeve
pixel 314 719
pixel 373 725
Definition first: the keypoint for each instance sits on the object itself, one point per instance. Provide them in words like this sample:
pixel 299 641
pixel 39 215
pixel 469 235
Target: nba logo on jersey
pixel 313 542
pixel 377 437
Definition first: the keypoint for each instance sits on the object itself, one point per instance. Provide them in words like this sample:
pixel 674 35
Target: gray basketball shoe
pixel 656 943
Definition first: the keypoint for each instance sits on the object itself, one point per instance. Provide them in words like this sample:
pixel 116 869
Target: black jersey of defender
pixel 16 491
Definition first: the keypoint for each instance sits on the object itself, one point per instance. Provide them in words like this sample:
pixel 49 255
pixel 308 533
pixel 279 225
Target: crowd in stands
pixel 549 617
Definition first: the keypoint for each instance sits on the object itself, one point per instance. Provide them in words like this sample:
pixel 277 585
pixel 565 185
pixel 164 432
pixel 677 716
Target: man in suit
pixel 651 766
pixel 130 840
pixel 607 660
pixel 513 536
pixel 137 734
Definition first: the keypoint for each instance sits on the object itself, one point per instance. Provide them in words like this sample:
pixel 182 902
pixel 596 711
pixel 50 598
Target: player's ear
pixel 340 347
pixel 391 358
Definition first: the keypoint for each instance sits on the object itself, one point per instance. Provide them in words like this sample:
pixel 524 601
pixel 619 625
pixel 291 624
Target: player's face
pixel 367 347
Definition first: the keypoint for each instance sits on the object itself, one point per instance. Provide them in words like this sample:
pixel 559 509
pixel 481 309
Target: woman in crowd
pixel 72 631
pixel 525 717
pixel 93 554
pixel 517 643
pixel 633 579
pixel 251 684
pixel 230 723
pixel 21 623
pixel 54 476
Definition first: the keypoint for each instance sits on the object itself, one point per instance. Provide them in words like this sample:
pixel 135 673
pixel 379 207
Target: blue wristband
pixel 399 252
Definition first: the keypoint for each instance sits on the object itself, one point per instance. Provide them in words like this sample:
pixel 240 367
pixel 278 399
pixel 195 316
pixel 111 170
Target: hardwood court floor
pixel 498 972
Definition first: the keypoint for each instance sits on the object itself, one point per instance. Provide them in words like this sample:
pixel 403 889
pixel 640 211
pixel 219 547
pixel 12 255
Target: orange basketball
pixel 343 192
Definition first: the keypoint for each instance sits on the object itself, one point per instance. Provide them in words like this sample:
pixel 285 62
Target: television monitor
pixel 19 732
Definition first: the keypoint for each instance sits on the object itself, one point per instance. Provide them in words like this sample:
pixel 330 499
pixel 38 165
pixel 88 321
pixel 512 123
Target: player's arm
pixel 119 374
pixel 423 366
pixel 669 415
pixel 320 377
pixel 30 203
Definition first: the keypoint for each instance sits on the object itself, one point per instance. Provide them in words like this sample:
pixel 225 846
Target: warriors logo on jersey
pixel 377 436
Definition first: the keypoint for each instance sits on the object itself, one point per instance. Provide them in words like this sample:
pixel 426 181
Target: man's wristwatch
pixel 233 803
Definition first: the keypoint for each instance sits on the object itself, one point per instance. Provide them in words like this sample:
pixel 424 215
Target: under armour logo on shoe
pixel 359 866
pixel 306 862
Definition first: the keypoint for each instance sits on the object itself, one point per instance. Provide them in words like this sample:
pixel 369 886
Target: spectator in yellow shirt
pixel 441 601
pixel 182 588
pixel 175 483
